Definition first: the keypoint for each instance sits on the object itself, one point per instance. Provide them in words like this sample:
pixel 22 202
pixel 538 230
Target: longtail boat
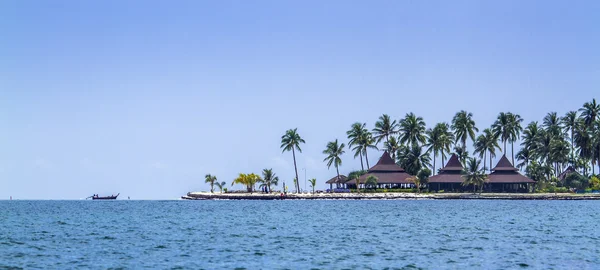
pixel 111 197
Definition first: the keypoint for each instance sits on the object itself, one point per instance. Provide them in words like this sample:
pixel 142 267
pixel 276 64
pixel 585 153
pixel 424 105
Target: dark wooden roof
pixel 446 178
pixel 386 164
pixel 504 165
pixel 506 173
pixel 566 173
pixel 453 165
pixel 334 180
pixel 386 171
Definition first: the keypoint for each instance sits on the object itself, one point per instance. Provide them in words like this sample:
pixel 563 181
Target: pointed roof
pixel 504 165
pixel 386 164
pixel 335 179
pixel 453 165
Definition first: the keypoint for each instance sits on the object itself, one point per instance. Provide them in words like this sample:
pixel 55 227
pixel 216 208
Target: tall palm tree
pixel 530 141
pixel 367 142
pixel 412 130
pixel 491 144
pixel 464 127
pixel 551 123
pixel 291 141
pixel 413 159
pixel 559 153
pixel 392 146
pixel 384 128
pixel 269 178
pixel 472 175
pixel 210 179
pixel 333 151
pixel 461 153
pixel 589 112
pixel 433 144
pixel 502 128
pixel 524 156
pixel 515 121
pixel 356 134
pixel 569 123
pixel 446 138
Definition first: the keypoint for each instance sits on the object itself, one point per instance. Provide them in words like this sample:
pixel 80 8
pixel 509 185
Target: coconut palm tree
pixel 515 121
pixel 491 143
pixel 461 153
pixel 412 130
pixel 333 151
pixel 446 138
pixel 559 154
pixel 291 141
pixel 220 186
pixel 472 175
pixel 313 184
pixel 502 128
pixel 384 128
pixel 413 159
pixel 210 179
pixel 524 156
pixel 530 140
pixel 367 142
pixel 551 123
pixel 355 136
pixel 464 127
pixel 392 146
pixel 371 181
pixel 434 143
pixel 269 178
pixel 590 112
pixel 569 123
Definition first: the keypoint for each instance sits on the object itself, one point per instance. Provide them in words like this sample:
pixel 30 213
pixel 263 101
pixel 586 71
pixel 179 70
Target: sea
pixel 300 234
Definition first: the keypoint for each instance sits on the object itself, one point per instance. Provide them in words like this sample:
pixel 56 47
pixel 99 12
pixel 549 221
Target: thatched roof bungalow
pixel 506 178
pixel 388 173
pixel 449 177
pixel 337 181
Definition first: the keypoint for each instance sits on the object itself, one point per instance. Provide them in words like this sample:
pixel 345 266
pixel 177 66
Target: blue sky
pixel 146 97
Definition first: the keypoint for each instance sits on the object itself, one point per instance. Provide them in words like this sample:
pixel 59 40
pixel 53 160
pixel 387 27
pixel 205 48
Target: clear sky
pixel 146 97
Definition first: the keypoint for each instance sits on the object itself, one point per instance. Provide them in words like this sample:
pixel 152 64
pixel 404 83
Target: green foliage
pixel 463 126
pixel 371 182
pixel 575 180
pixel 313 183
pixel 472 175
pixel 269 178
pixel 413 159
pixel 354 174
pixel 291 141
pixel 210 179
pixel 595 183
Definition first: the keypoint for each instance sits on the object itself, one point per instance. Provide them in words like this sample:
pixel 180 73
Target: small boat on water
pixel 111 197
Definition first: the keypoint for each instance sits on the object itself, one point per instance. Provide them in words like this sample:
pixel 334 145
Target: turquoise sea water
pixel 300 234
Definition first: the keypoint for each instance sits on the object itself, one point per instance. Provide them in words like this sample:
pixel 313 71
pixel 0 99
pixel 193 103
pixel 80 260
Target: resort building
pixel 506 178
pixel 388 173
pixel 449 178
pixel 339 182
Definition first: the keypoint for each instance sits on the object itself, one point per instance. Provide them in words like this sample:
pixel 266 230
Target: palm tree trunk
pixel 512 152
pixel 490 161
pixel 367 159
pixel 504 147
pixel 296 169
pixel 484 159
pixel 572 148
pixel 362 167
pixel 443 157
pixel 338 173
pixel 433 163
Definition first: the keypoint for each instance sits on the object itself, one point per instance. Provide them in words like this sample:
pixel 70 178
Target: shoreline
pixel 390 196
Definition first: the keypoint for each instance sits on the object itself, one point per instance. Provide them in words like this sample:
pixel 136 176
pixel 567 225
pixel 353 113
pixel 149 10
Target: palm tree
pixel 392 146
pixel 515 121
pixel 220 186
pixel 589 112
pixel 291 141
pixel 412 130
pixel 552 124
pixel 333 151
pixel 502 128
pixel 472 175
pixel 491 143
pixel 384 128
pixel 481 148
pixel 464 127
pixel 525 157
pixel 371 181
pixel 313 184
pixel 461 153
pixel 367 142
pixel 446 138
pixel 249 180
pixel 530 141
pixel 269 178
pixel 413 159
pixel 356 134
pixel 210 179
pixel 569 122
pixel 559 153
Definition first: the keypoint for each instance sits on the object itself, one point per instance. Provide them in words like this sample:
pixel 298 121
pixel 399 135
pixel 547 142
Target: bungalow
pixel 388 174
pixel 506 178
pixel 449 178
